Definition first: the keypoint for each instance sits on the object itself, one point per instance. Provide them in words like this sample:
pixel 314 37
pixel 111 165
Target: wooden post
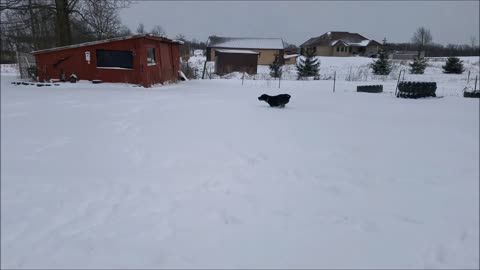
pixel 475 89
pixel 243 77
pixel 398 80
pixel 334 80
pixel 403 78
pixel 468 77
pixel 279 79
pixel 204 69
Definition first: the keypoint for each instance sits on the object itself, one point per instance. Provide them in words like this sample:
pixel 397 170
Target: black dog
pixel 275 101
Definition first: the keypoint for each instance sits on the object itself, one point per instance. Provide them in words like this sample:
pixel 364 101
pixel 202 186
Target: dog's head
pixel 263 97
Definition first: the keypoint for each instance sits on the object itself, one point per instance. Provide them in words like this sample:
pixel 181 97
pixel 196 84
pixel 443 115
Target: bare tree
pixel 124 31
pixel 33 13
pixel 158 31
pixel 141 28
pixel 102 17
pixel 422 38
pixel 473 41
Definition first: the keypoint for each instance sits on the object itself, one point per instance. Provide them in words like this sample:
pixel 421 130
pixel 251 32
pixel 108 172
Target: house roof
pixel 149 36
pixel 245 42
pixel 236 51
pixel 346 38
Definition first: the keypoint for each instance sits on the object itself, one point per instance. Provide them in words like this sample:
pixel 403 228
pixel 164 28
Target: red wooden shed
pixel 139 59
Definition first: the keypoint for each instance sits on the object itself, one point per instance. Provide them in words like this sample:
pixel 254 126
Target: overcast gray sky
pixel 296 21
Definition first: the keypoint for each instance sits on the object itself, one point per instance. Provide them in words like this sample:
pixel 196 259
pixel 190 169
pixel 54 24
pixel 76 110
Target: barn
pixel 142 59
pixel 228 61
pixel 267 48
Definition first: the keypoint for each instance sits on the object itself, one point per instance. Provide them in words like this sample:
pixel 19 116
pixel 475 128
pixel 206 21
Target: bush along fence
pixel 469 93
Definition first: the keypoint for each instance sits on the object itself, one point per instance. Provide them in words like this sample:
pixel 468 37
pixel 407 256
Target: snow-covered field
pixel 201 174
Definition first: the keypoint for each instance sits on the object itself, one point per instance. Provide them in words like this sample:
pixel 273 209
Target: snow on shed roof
pixel 236 51
pixel 108 40
pixel 287 56
pixel 246 43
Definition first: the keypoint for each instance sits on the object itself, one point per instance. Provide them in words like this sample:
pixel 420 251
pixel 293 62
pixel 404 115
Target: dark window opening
pixel 151 56
pixel 338 49
pixel 350 49
pixel 114 59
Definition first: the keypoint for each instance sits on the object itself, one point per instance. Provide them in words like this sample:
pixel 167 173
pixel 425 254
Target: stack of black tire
pixel 416 89
pixel 472 94
pixel 370 88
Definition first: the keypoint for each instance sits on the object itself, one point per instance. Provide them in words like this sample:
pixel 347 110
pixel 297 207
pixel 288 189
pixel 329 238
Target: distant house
pixel 267 48
pixel 228 61
pixel 139 59
pixel 342 44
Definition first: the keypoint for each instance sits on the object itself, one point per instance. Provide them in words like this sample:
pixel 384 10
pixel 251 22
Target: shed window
pixel 338 49
pixel 151 56
pixel 114 59
pixel 350 49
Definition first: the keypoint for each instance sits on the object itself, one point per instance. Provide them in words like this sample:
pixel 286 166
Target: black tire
pixel 417 89
pixel 474 94
pixel 370 88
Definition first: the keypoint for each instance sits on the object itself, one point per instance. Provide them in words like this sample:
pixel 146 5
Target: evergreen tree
pixel 453 65
pixel 276 68
pixel 381 66
pixel 418 66
pixel 308 67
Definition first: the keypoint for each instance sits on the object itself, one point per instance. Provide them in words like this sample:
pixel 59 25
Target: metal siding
pixel 140 74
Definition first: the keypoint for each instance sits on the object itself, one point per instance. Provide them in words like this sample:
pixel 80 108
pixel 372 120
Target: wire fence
pixel 26 65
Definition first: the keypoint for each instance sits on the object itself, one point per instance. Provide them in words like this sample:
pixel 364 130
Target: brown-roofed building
pixel 342 44
pixel 267 48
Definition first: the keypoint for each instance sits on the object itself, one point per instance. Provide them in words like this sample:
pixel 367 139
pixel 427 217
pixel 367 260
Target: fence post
pixel 243 77
pixel 403 78
pixel 468 77
pixel 334 80
pixel 204 69
pixel 279 79
pixel 398 80
pixel 475 89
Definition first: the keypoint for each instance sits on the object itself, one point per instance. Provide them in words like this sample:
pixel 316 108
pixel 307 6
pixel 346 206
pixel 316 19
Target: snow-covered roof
pixel 362 43
pixel 151 36
pixel 288 56
pixel 245 43
pixel 236 51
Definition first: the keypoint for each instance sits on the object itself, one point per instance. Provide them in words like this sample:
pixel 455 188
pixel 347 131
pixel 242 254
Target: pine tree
pixel 276 68
pixel 418 66
pixel 308 67
pixel 381 66
pixel 453 65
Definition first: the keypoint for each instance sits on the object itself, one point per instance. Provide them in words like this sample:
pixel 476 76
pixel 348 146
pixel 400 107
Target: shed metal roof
pixel 245 43
pixel 150 36
pixel 236 51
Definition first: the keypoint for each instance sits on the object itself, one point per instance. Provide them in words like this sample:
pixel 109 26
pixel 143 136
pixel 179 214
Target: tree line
pixel 28 25
pixel 422 40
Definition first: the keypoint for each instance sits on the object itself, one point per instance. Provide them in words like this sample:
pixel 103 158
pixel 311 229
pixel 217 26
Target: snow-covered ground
pixel 201 174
